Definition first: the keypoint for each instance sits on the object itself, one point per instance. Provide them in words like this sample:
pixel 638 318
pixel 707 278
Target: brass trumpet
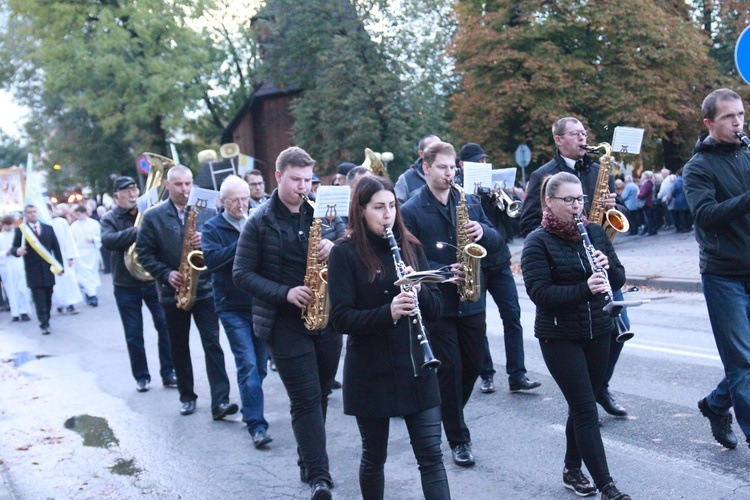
pixel 510 206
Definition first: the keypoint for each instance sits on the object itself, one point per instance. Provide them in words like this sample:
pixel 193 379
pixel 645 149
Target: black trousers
pixel 307 363
pixel 580 367
pixel 459 345
pixel 178 323
pixel 42 297
pixel 424 434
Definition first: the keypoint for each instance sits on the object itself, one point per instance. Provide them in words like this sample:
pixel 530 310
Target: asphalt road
pixel 139 445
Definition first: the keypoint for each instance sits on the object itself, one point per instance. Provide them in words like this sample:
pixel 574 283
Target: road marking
pixel 679 352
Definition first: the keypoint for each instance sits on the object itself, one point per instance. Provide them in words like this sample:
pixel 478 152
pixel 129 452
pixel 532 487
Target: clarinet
pixel 742 136
pixel 623 333
pixel 428 359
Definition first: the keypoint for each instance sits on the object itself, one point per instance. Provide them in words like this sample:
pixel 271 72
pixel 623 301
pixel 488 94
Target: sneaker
pixel 721 425
pixel 610 492
pixel 142 385
pixel 576 480
pixel 487 386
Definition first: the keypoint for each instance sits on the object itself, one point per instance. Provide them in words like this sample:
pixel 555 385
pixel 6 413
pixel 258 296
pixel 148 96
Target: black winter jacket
pixel 38 272
pixel 531 213
pixel 257 264
pixel 717 186
pixel 379 379
pixel 555 273
pixel 118 233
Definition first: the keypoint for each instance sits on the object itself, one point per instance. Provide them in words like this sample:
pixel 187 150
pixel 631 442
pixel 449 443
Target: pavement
pixel 667 261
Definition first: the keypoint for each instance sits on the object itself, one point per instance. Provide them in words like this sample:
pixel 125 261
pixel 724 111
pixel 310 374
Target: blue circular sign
pixel 742 55
pixel 144 165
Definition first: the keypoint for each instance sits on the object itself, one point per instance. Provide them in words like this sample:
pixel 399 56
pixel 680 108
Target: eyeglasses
pixel 577 133
pixel 568 200
pixel 255 184
pixel 237 201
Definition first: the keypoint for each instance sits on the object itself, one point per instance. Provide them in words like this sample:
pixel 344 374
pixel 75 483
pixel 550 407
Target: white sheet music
pixel 332 201
pixel 477 175
pixel 627 140
pixel 143 202
pixel 203 198
pixel 504 177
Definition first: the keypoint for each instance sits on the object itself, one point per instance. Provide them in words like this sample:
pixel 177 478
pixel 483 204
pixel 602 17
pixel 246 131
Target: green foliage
pixel 12 153
pixel 527 64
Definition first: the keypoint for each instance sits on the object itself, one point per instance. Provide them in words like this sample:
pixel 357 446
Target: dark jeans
pixel 502 287
pixel 42 297
pixel 251 359
pixel 130 302
pixel 307 363
pixel 459 345
pixel 728 303
pixel 207 322
pixel 683 220
pixel 579 368
pixel 652 224
pixel 424 433
pixel 636 220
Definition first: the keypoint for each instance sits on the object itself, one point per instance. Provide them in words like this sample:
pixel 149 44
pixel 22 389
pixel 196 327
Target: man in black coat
pixel 39 276
pixel 118 234
pixel 570 156
pixel 458 337
pixel 271 263
pixel 159 245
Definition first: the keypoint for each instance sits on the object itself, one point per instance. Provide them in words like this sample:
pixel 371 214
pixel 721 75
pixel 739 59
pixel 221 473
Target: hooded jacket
pixel 717 186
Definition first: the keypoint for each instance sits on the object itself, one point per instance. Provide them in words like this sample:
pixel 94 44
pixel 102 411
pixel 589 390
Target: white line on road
pixel 679 352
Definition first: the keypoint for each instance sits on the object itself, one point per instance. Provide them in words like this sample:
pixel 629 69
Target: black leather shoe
pixel 320 490
pixel 71 310
pixel 487 386
pixel 45 330
pixel 93 301
pixel 261 438
pixel 721 425
pixel 142 385
pixel 335 384
pixel 15 319
pixel 25 317
pixel 609 404
pixel 170 381
pixel 462 455
pixel 188 408
pixel 522 384
pixel 223 410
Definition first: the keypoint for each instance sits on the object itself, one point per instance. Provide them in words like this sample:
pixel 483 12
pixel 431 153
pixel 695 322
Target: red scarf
pixel 565 230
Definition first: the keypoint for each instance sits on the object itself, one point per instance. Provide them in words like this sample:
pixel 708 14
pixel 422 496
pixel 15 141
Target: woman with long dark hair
pixel 573 329
pixel 383 377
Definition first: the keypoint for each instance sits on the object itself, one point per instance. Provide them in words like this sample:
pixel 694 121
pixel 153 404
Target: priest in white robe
pixel 13 274
pixel 66 293
pixel 87 235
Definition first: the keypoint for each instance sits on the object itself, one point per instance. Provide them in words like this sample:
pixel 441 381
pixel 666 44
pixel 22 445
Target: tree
pixel 526 64
pixel 12 153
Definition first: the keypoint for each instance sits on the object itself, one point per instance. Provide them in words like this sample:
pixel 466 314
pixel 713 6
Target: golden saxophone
pixel 158 167
pixel 191 262
pixel 469 254
pixel 613 221
pixel 315 314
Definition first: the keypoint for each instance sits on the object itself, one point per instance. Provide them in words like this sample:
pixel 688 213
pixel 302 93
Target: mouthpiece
pixel 590 149
pixel 742 136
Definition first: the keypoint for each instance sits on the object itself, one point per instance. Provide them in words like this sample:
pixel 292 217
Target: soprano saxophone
pixel 315 314
pixel 469 254
pixel 613 221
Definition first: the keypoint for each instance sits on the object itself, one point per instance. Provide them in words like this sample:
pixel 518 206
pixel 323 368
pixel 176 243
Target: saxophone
pixel 469 254
pixel 191 262
pixel 315 314
pixel 613 221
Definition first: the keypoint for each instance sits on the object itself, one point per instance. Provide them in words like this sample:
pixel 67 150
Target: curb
pixel 668 284
pixel 6 493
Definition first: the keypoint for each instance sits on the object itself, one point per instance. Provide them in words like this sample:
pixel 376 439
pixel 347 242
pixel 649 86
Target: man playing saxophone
pixel 271 263
pixel 458 337
pixel 159 244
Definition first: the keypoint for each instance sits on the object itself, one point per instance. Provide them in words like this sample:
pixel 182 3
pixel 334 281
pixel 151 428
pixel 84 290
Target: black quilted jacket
pixel 555 273
pixel 257 264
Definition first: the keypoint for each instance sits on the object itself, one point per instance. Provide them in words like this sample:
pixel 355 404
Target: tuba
pixel 191 262
pixel 158 168
pixel 374 164
pixel 613 221
pixel 315 315
pixel 469 254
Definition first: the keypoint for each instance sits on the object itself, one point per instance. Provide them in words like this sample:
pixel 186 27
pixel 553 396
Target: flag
pixel 246 164
pixel 34 195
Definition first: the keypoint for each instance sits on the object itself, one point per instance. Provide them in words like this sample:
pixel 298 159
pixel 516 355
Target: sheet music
pixel 477 175
pixel 143 202
pixel 203 198
pixel 332 201
pixel 504 177
pixel 627 140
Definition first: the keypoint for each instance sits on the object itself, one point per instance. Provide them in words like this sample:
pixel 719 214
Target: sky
pixel 11 115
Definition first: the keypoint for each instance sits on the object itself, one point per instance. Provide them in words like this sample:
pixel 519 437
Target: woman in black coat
pixel 381 353
pixel 573 329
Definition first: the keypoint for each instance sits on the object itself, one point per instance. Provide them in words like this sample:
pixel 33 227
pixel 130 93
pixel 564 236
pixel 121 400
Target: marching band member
pixel 271 264
pixel 379 381
pixel 159 246
pixel 458 337
pixel 573 329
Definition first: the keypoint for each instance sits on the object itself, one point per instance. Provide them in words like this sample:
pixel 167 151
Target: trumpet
pixel 506 203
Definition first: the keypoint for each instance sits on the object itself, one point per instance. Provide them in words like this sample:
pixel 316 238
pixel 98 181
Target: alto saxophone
pixel 191 262
pixel 469 254
pixel 613 221
pixel 315 314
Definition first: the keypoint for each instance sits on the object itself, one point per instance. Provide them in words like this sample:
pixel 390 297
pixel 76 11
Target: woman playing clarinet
pixel 383 374
pixel 573 329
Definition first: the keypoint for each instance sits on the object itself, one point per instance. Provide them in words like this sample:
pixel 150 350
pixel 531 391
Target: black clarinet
pixel 428 359
pixel 742 136
pixel 623 333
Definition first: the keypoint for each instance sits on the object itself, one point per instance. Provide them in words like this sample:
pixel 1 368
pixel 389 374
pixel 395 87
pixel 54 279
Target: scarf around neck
pixel 565 230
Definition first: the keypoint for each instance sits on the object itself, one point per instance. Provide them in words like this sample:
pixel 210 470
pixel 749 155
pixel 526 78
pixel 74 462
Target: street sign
pixel 523 155
pixel 144 166
pixel 742 55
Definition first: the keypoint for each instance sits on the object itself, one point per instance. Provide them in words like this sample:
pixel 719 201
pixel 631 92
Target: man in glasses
pixel 254 179
pixel 570 138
